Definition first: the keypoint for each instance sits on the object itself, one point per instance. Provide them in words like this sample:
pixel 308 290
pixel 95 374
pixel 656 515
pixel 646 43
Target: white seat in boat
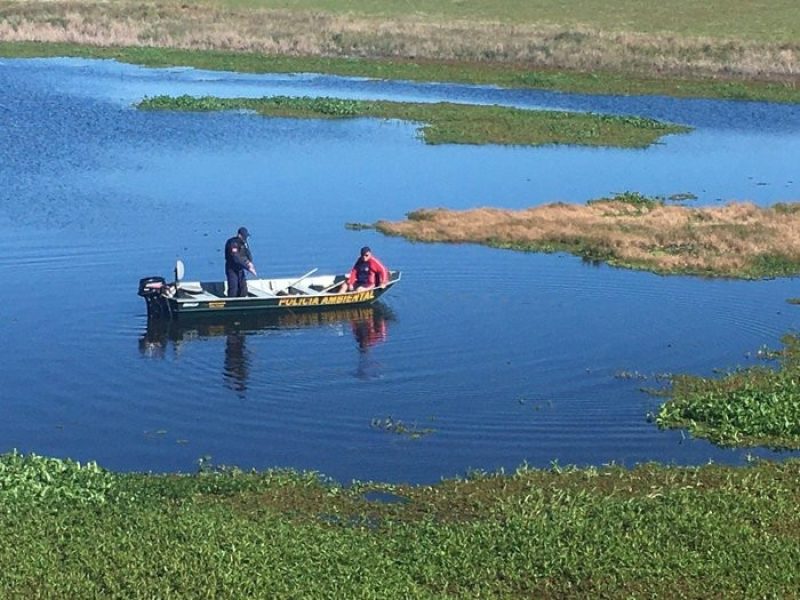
pixel 195 291
pixel 191 287
pixel 204 296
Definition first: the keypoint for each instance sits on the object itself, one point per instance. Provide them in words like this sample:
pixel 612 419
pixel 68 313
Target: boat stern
pixel 155 291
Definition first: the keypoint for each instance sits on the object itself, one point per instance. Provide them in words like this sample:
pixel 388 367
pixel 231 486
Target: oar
pixel 333 285
pixel 295 282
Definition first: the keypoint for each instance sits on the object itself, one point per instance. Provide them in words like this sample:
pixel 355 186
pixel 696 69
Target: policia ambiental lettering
pixel 328 300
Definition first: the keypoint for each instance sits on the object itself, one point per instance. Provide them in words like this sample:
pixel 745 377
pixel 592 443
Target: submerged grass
pixel 758 406
pixel 711 531
pixel 629 230
pixel 446 122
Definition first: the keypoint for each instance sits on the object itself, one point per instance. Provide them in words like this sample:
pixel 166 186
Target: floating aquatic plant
pixel 756 406
pixel 399 427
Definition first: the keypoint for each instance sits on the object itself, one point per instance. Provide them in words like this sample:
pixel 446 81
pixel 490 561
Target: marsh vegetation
pixel 630 230
pixel 558 533
pixel 732 50
pixel 757 406
pixel 449 123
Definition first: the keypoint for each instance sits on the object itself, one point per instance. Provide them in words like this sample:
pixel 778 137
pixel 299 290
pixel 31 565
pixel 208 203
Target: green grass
pixel 775 21
pixel 75 531
pixel 758 406
pixel 448 123
pixel 643 204
pixel 511 76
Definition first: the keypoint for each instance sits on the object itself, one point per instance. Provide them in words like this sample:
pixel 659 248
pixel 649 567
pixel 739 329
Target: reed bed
pixel 738 240
pixel 385 32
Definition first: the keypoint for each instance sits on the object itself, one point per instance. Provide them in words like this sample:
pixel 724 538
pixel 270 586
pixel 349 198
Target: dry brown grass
pixel 737 240
pixel 193 25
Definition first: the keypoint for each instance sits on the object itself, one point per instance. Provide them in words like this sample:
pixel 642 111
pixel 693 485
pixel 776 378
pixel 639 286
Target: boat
pixel 309 292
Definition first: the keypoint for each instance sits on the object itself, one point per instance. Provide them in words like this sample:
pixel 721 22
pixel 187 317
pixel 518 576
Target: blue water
pixel 498 357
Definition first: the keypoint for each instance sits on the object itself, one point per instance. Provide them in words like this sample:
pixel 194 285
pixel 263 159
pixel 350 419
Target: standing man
pixel 238 260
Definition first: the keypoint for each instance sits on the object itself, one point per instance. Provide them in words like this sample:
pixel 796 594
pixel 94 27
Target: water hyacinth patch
pixel 28 479
pixel 758 406
pixel 447 122
pixel 399 427
pixel 563 532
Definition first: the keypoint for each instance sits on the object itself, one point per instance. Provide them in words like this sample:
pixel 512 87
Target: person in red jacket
pixel 368 272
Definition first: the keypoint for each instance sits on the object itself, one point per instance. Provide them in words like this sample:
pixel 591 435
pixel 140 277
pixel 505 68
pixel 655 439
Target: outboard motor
pixel 152 290
pixel 151 286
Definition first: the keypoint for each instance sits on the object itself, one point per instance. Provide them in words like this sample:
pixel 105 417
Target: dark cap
pixel 364 250
pixel 243 232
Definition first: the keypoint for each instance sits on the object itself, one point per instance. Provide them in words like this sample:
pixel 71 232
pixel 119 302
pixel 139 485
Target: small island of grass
pixel 739 240
pixel 447 122
pixel 757 406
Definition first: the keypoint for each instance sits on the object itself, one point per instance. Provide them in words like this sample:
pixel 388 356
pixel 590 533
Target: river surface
pixel 493 358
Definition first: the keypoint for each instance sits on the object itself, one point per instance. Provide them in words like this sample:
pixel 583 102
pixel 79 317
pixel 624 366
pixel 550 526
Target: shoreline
pixel 572 39
pixel 511 76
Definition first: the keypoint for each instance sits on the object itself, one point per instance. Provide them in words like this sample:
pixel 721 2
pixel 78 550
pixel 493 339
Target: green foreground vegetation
pixel 78 531
pixel 758 406
pixel 448 123
pixel 477 73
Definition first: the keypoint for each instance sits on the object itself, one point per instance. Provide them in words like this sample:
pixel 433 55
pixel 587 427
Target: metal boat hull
pixel 207 298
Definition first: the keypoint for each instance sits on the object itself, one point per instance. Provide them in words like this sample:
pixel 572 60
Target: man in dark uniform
pixel 238 260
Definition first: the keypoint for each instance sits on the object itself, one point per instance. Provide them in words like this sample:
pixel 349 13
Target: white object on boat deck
pixel 191 287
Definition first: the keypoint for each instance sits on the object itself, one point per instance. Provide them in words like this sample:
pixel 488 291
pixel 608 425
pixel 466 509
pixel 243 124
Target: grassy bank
pixel 448 123
pixel 77 531
pixel 737 50
pixel 757 406
pixel 632 231
pixel 477 73
pixel 712 19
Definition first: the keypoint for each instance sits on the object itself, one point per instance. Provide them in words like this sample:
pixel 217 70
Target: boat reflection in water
pixel 368 331
pixel 369 325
